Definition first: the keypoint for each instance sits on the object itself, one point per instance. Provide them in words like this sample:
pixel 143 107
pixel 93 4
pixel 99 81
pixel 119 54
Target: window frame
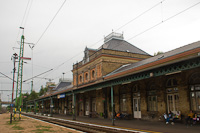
pixel 152 106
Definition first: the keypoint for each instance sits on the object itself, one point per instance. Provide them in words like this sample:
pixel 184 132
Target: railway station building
pixel 119 77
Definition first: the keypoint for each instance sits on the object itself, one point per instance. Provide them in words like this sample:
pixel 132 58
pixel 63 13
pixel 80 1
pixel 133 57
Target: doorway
pixel 172 102
pixel 136 107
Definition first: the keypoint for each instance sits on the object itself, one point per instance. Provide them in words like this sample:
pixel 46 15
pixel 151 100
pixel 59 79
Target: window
pixel 171 82
pixel 172 95
pixel 152 103
pixel 86 77
pixel 80 79
pixel 195 97
pixel 195 91
pixel 92 74
pixel 136 91
pixel 123 102
pixel 152 98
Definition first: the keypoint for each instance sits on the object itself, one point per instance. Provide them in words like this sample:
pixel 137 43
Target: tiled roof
pixel 156 58
pixel 62 85
pixel 122 45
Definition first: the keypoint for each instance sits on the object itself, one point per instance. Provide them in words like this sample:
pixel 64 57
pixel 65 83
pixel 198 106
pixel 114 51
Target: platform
pixel 140 125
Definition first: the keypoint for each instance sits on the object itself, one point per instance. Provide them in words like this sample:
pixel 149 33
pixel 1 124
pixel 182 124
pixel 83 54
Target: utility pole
pixel 14 57
pixel 20 70
pixel 32 64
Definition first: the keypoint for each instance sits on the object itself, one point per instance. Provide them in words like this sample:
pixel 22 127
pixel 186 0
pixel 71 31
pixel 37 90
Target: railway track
pixel 81 126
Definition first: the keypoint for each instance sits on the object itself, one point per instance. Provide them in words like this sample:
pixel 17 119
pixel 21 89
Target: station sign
pixel 62 95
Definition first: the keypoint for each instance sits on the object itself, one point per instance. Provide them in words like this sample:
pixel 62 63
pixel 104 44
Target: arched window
pixel 80 79
pixel 194 87
pixel 172 95
pixel 93 74
pixel 152 98
pixel 171 85
pixel 86 77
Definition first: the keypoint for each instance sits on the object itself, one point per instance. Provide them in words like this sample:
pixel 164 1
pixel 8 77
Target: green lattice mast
pixel 20 71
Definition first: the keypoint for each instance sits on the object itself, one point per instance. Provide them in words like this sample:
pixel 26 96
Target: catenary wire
pixel 22 21
pixel 50 22
pixel 146 11
pixel 164 20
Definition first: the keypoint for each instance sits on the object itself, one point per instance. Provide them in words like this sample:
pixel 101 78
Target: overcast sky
pixel 82 23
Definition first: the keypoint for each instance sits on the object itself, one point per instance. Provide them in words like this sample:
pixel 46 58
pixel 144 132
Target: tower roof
pixel 115 41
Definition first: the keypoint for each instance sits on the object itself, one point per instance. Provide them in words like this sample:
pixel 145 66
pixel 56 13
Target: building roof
pixel 61 85
pixel 122 45
pixel 159 57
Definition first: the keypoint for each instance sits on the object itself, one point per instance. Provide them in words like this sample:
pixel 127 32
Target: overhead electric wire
pixel 22 21
pixel 38 75
pixel 114 30
pixel 142 31
pixel 146 11
pixel 164 20
pixel 28 13
pixel 140 15
pixel 6 76
pixel 50 22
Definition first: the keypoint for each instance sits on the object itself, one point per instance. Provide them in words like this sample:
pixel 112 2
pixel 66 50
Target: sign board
pixel 62 95
pixel 11 105
pixel 25 58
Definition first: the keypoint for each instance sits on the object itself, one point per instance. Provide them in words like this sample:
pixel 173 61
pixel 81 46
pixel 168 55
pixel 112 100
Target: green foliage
pixel 159 52
pixel 34 95
pixel 43 91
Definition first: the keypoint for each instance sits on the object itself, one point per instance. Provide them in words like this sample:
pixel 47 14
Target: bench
pixel 174 118
pixel 123 116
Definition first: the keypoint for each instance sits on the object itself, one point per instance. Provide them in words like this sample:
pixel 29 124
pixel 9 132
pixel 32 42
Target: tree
pixel 159 52
pixel 43 91
pixel 34 95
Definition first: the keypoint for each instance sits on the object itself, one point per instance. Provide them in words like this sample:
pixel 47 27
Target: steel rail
pixel 81 126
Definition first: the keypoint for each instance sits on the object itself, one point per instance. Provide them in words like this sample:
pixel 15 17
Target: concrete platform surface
pixel 140 125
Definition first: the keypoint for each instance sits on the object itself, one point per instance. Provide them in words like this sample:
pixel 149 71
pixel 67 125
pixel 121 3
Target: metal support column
pixel 112 103
pixel 74 106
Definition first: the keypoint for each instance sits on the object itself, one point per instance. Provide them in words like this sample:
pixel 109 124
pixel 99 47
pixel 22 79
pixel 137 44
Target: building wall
pixel 160 82
pixel 102 62
pixel 102 97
